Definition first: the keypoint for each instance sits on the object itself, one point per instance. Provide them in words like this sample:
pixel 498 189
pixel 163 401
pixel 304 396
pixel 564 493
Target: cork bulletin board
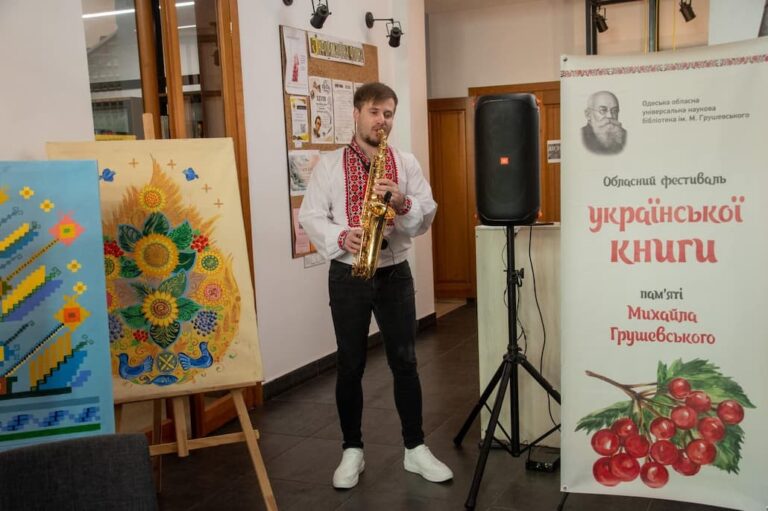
pixel 320 75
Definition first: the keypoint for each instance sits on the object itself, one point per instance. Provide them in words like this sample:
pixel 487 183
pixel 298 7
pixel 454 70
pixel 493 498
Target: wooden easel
pixel 183 445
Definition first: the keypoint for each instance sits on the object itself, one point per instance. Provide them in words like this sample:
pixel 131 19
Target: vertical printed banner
pixel 179 295
pixel 55 381
pixel 664 338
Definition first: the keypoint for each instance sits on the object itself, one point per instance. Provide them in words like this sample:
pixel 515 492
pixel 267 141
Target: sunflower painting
pixel 179 300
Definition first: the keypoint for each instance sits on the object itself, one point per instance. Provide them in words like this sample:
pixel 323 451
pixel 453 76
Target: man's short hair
pixel 375 92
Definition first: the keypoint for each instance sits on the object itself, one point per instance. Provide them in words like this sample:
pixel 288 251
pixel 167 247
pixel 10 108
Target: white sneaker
pixel 420 460
pixel 350 468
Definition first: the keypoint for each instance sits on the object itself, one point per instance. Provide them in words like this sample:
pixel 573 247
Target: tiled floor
pixel 443 307
pixel 301 446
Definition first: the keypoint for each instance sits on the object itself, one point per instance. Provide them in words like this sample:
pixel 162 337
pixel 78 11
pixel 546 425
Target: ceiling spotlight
pixel 319 14
pixel 686 9
pixel 288 2
pixel 600 22
pixel 394 30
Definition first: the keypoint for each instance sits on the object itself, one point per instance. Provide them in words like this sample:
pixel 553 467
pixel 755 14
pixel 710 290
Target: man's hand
pixel 384 185
pixel 353 240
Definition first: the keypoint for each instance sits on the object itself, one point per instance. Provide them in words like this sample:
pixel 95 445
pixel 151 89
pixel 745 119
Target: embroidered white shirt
pixel 333 202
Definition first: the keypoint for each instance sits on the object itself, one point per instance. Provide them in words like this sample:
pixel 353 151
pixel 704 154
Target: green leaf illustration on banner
pixel 182 236
pixel 705 376
pixel 686 420
pixel 605 417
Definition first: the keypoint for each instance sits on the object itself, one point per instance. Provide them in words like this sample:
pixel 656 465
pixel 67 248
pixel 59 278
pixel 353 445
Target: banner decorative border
pixel 662 68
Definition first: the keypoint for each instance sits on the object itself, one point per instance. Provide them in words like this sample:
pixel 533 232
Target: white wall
pixel 727 24
pixel 294 318
pixel 411 83
pixel 522 41
pixel 44 91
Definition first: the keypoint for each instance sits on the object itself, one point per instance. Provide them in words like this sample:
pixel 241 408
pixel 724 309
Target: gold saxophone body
pixel 376 212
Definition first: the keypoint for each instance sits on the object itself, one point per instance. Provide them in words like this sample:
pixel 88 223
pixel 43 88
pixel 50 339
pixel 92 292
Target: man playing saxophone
pixel 331 215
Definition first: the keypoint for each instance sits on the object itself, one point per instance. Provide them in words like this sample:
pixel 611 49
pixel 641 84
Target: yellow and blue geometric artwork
pixel 54 351
pixel 179 296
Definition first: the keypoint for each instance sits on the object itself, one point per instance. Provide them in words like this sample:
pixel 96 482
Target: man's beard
pixel 609 133
pixel 370 140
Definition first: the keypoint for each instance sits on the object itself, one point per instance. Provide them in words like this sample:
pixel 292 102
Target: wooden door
pixel 548 94
pixel 451 154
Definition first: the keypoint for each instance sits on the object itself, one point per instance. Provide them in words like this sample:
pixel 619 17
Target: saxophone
pixel 376 212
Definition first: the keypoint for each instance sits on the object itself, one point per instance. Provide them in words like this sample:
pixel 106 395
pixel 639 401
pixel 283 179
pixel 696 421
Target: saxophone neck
pixel 382 141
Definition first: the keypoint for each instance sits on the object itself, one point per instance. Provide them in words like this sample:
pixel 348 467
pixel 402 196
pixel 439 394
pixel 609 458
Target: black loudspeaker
pixel 507 159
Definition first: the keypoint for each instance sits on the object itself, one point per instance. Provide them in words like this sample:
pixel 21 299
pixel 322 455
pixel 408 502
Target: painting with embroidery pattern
pixel 179 296
pixel 55 381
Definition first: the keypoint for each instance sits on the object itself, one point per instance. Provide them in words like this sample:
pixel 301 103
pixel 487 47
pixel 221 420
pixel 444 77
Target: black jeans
pixel 390 296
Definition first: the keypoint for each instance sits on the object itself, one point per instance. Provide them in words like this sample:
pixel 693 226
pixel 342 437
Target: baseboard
pixel 313 369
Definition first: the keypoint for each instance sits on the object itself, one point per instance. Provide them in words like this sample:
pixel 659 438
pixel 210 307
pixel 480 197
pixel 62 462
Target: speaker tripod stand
pixel 506 374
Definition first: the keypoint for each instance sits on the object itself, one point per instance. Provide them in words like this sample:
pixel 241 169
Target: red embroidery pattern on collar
pixel 356 179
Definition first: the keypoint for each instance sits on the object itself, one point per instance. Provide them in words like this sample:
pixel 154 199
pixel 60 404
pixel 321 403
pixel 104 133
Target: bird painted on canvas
pixel 129 372
pixel 204 360
pixel 108 175
pixel 190 174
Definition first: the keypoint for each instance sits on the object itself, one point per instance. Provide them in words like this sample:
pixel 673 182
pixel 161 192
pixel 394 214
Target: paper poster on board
pixel 179 294
pixel 300 165
pixel 553 151
pixel 294 43
pixel 321 109
pixel 299 120
pixel 325 47
pixel 343 104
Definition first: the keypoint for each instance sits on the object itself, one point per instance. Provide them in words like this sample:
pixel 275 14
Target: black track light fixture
pixel 394 30
pixel 601 24
pixel 319 13
pixel 686 9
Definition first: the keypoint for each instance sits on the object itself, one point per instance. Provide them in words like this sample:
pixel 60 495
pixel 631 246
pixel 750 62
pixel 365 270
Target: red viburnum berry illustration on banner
pixel 686 420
